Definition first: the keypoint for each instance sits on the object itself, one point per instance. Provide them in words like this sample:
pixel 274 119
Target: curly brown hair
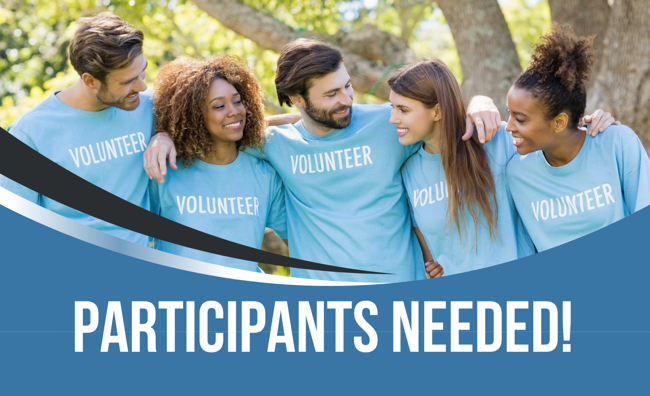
pixel 181 89
pixel 558 73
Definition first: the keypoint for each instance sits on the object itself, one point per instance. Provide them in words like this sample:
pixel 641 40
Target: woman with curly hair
pixel 566 184
pixel 212 109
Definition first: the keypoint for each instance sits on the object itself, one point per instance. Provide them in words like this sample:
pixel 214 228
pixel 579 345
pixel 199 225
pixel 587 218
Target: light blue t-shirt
pixel 345 200
pixel 234 202
pixel 608 180
pixel 104 147
pixel 426 187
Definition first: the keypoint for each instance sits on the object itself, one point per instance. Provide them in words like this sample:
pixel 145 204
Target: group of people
pixel 409 189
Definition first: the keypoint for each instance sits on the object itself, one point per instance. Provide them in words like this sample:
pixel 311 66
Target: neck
pixel 314 127
pixel 432 142
pixel 566 148
pixel 221 153
pixel 79 96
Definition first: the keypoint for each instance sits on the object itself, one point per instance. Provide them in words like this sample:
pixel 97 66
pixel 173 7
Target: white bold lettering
pixel 75 155
pixel 79 328
pixel 607 189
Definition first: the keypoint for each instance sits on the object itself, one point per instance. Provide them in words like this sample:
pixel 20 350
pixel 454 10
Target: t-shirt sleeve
pixel 255 152
pixel 408 199
pixel 277 217
pixel 510 148
pixel 635 175
pixel 11 185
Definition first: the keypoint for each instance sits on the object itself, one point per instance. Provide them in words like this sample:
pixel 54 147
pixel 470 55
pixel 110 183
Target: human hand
pixel 484 114
pixel 599 121
pixel 434 269
pixel 160 148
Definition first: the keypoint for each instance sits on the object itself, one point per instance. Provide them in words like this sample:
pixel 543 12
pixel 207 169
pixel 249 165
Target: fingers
pixel 146 164
pixel 172 158
pixel 606 120
pixel 595 119
pixel 434 269
pixel 480 128
pixel 162 167
pixel 469 128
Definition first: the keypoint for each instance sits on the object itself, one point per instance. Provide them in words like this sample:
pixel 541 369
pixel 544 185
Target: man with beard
pixel 341 168
pixel 99 127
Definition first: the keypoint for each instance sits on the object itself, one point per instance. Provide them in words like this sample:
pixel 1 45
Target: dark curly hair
pixel 558 72
pixel 181 89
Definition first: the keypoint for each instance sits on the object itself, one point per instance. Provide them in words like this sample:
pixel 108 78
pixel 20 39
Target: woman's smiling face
pixel 527 123
pixel 224 112
pixel 413 120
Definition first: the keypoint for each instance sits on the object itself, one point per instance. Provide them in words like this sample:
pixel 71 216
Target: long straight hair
pixel 467 170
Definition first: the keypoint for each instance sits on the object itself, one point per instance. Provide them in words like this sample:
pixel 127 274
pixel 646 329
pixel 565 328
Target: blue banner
pixel 89 314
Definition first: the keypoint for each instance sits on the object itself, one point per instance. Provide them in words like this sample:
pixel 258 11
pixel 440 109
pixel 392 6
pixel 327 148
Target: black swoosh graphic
pixel 65 187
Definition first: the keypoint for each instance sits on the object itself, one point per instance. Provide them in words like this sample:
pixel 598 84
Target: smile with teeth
pixel 133 95
pixel 342 112
pixel 517 140
pixel 234 125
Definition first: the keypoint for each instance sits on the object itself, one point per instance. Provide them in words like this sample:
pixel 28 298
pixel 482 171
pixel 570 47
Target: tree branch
pixel 361 49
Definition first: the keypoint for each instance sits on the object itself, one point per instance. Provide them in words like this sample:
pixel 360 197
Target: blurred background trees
pixel 486 43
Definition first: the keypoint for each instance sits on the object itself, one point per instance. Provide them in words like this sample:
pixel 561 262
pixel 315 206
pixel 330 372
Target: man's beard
pixel 326 118
pixel 107 99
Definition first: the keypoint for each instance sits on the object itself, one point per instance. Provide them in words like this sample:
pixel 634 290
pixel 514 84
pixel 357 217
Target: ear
pixel 90 81
pixel 297 100
pixel 560 122
pixel 436 112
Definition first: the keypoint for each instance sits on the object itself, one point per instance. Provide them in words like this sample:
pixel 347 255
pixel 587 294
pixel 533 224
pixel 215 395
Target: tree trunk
pixel 271 34
pixel 622 85
pixel 488 56
pixel 587 17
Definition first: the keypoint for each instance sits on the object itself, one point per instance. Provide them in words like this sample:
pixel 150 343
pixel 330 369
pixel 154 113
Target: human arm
pixel 599 121
pixel 483 114
pixel 277 212
pixel 282 119
pixel 433 269
pixel 161 148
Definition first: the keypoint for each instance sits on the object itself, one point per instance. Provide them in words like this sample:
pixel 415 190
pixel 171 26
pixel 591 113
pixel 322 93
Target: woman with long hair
pixel 212 109
pixel 566 184
pixel 462 210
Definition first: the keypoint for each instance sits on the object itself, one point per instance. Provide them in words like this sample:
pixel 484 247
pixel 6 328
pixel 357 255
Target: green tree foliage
pixel 35 34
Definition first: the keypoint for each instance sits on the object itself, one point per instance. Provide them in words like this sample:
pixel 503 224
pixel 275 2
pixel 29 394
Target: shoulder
pixel 281 132
pixel 146 100
pixel 520 165
pixel 412 163
pixel 370 112
pixel 34 117
pixel 258 166
pixel 501 146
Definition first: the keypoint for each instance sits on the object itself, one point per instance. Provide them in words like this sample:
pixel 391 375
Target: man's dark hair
pixel 104 43
pixel 300 62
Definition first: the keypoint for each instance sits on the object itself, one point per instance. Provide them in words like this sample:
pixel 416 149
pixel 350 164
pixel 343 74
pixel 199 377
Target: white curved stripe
pixel 98 238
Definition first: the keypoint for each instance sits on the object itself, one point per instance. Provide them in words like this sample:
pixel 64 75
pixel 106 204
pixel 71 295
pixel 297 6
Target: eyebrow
pixel 335 89
pixel 221 97
pixel 131 80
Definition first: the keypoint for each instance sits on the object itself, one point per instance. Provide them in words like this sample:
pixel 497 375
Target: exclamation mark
pixel 566 325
